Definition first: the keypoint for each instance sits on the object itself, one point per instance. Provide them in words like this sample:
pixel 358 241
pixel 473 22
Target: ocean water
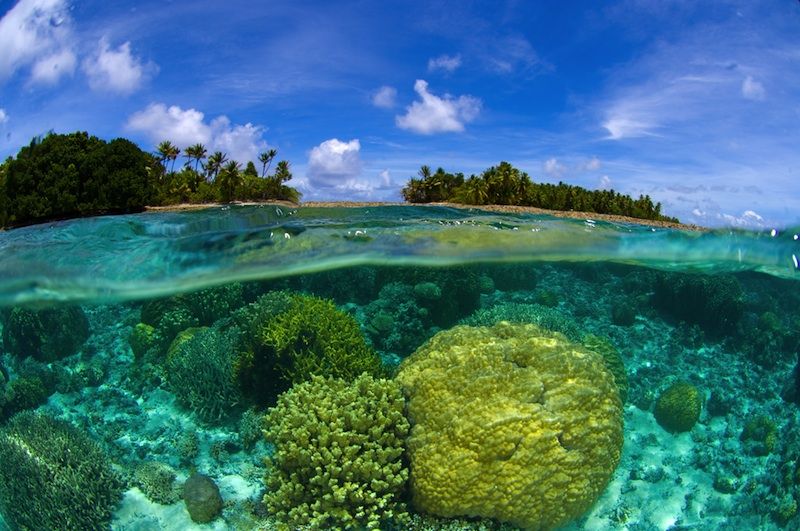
pixel 204 370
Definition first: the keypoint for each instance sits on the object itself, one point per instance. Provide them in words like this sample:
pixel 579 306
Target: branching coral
pixel 510 422
pixel 54 477
pixel 338 462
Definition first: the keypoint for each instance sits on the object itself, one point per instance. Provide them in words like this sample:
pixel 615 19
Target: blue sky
pixel 695 103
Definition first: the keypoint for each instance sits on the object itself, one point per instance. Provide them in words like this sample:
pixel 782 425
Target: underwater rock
pixel 510 422
pixel 202 498
pixel 678 407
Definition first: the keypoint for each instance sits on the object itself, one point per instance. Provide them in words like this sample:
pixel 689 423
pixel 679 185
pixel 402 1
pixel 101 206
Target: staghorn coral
pixel 338 461
pixel 54 477
pixel 202 372
pixel 510 422
pixel 157 482
pixel 678 407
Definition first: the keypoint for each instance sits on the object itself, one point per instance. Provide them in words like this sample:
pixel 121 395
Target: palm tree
pixel 196 152
pixel 215 163
pixel 165 152
pixel 282 172
pixel 230 178
pixel 266 159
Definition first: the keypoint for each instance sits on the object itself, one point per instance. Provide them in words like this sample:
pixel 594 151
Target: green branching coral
pixel 54 477
pixel 314 337
pixel 511 422
pixel 46 335
pixel 338 460
pixel 513 312
pixel 678 407
pixel 203 373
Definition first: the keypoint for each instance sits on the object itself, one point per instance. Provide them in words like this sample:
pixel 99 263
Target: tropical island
pixel 61 176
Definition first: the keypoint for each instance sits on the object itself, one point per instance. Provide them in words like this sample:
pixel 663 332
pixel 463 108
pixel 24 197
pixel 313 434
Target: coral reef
pixel 511 422
pixel 46 335
pixel 157 482
pixel 54 477
pixel 202 371
pixel 715 303
pixel 612 359
pixel 314 337
pixel 514 312
pixel 759 435
pixel 338 459
pixel 395 322
pixel 678 407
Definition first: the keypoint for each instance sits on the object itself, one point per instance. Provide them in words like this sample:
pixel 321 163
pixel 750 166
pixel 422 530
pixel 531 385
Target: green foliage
pixel 46 335
pixel 202 372
pixel 506 185
pixel 314 337
pixel 72 175
pixel 54 477
pixel 715 303
pixel 678 407
pixel 338 461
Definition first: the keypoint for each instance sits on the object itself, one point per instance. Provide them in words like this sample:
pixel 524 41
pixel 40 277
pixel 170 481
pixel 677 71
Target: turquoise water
pixel 654 368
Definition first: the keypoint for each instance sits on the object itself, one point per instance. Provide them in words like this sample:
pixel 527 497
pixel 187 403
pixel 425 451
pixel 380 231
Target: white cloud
pixel 185 127
pixel 605 183
pixel 592 165
pixel 3 116
pixel 334 163
pixel 116 70
pixel 752 89
pixel 554 168
pixel 447 63
pixel 385 97
pixel 512 54
pixel 37 32
pixel 50 69
pixel 434 114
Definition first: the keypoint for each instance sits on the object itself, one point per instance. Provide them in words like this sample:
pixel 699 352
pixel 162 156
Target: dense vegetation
pixel 506 185
pixel 70 175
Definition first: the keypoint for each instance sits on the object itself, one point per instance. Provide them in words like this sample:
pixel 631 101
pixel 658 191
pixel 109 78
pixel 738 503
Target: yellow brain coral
pixel 510 422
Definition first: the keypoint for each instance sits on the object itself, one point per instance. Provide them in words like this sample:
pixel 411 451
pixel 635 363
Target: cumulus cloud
pixel 554 168
pixel 446 63
pixel 50 69
pixel 185 127
pixel 38 33
pixel 116 70
pixel 752 89
pixel 385 97
pixel 3 116
pixel 334 163
pixel 605 183
pixel 434 114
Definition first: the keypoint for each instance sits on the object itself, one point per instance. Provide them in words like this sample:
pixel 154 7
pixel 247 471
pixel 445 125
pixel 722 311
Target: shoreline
pixel 491 208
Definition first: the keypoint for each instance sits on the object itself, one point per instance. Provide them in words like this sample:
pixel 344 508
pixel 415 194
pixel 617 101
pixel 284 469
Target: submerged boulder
pixel 202 498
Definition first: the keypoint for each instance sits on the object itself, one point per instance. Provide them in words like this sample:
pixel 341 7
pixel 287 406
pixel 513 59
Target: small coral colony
pixel 373 395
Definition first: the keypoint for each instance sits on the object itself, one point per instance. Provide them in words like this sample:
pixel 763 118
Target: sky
pixel 694 103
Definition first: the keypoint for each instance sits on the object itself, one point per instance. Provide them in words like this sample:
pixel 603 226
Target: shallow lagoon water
pixel 716 309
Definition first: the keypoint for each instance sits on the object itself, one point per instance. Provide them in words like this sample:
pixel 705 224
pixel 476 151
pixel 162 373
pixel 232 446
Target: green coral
pixel 24 392
pixel 715 303
pixel 54 477
pixel 157 482
pixel 142 338
pixel 760 435
pixel 314 337
pixel 678 407
pixel 612 359
pixel 513 312
pixel 338 459
pixel 202 371
pixel 46 335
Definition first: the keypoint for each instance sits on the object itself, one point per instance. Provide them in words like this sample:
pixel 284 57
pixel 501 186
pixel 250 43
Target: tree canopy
pixel 506 185
pixel 72 175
